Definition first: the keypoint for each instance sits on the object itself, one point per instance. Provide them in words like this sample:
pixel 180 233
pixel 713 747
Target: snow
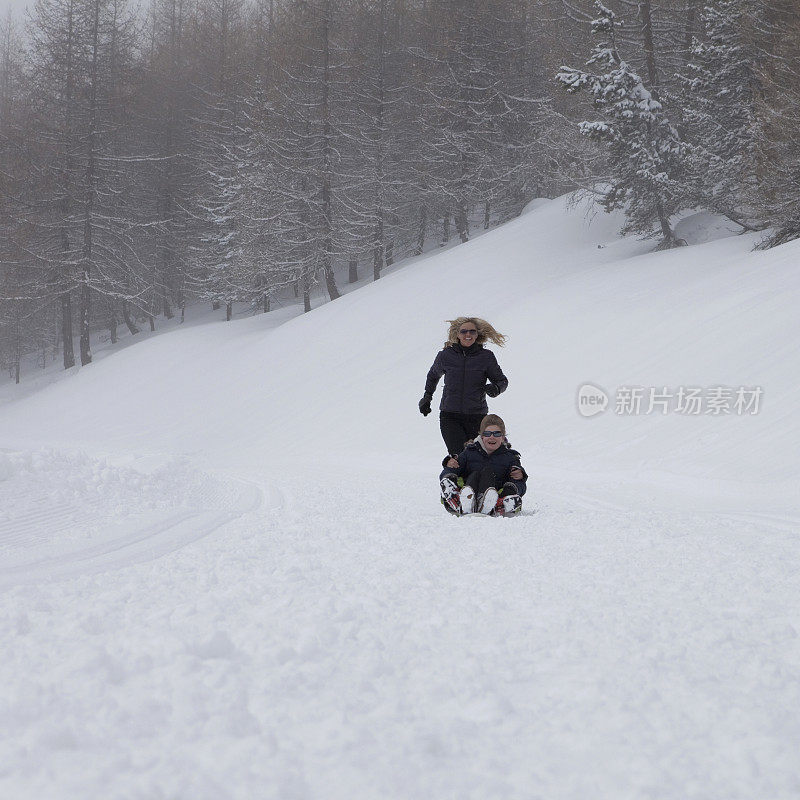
pixel 703 226
pixel 225 573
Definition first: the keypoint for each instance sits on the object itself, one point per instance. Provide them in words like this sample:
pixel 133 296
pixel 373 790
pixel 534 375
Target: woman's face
pixel 492 438
pixel 467 333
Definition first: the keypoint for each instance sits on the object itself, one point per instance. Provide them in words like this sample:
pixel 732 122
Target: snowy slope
pixel 225 572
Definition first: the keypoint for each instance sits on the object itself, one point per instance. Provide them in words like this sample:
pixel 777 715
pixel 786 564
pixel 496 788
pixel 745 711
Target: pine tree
pixel 778 112
pixel 720 91
pixel 644 150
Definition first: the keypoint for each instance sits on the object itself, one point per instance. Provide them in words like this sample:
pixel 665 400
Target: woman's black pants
pixel 458 429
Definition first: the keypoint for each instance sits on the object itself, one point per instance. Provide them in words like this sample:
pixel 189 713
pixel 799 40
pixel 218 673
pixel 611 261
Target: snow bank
pixel 703 226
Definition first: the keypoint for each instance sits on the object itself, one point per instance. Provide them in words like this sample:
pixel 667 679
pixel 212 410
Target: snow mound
pixel 535 204
pixel 705 227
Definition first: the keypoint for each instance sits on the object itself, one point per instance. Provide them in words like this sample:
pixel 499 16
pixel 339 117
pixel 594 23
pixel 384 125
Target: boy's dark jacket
pixel 474 458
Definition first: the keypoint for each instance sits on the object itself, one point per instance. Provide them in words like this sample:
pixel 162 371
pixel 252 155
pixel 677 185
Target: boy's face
pixel 492 438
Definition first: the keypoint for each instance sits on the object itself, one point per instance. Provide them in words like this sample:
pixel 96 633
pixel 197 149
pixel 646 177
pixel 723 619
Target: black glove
pixel 425 405
pixel 491 390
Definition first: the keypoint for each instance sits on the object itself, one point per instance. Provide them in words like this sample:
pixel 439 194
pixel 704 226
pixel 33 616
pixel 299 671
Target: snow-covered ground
pixel 224 572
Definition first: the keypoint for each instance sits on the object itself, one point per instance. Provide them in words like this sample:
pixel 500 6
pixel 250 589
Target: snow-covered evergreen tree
pixel 719 111
pixel 644 150
pixel 778 158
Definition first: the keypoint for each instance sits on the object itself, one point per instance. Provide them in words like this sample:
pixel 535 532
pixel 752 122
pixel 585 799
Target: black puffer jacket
pixel 474 458
pixel 466 372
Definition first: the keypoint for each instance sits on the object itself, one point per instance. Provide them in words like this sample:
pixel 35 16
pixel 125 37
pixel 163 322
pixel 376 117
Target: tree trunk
pixel 17 347
pixel 462 224
pixel 330 282
pixel 379 244
pixel 66 330
pixel 306 295
pixel 215 306
pixel 652 75
pixel 327 204
pixel 112 326
pixel 422 230
pixel 691 17
pixel 126 315
pixel 446 229
pixel 353 270
pixel 266 303
pixel 165 255
pixel 649 47
pixel 66 299
pixel 85 311
pixel 669 237
pixel 229 312
pixel 377 248
pixel 88 217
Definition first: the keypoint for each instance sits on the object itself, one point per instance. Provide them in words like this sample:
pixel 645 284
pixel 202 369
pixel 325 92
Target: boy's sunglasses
pixel 465 331
pixel 492 434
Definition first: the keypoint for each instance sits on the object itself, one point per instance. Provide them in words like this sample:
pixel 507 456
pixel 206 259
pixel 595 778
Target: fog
pixel 17 7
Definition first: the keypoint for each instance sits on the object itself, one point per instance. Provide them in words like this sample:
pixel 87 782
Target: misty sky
pixel 18 6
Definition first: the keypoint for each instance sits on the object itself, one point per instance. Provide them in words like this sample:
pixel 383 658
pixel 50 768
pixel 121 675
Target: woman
pixel 490 472
pixel 470 373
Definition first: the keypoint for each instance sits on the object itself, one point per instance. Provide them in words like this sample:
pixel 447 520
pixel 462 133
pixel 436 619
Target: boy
pixel 492 476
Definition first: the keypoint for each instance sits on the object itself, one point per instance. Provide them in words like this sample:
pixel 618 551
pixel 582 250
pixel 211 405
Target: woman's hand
pixel 515 474
pixel 452 463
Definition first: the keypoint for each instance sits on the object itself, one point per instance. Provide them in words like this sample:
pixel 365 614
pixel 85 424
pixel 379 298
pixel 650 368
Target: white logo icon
pixel 592 400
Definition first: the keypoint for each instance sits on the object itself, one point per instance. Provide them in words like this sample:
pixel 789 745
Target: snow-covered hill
pixel 226 573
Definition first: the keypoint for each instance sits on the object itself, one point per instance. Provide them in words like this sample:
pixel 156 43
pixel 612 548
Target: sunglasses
pixel 492 434
pixel 465 331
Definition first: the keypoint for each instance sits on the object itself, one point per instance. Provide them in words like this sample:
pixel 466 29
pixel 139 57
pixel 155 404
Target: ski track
pixel 92 534
pixel 341 649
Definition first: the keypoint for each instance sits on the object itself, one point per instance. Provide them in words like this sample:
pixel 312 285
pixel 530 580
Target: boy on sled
pixel 487 477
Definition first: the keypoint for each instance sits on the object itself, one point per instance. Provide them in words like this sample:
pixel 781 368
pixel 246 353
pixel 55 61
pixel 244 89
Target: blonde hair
pixel 485 331
pixel 492 419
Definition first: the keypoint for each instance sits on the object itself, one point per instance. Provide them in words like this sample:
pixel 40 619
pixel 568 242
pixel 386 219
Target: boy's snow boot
pixel 512 504
pixel 450 496
pixel 467 498
pixel 488 501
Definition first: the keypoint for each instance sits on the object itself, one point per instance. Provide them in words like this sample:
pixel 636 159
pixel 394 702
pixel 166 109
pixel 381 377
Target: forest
pixel 233 153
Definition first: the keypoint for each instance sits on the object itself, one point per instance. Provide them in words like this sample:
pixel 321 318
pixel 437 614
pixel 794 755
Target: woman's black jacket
pixel 466 370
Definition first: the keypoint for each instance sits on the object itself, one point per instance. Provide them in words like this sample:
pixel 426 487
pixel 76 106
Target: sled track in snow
pixel 38 525
pixel 145 538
